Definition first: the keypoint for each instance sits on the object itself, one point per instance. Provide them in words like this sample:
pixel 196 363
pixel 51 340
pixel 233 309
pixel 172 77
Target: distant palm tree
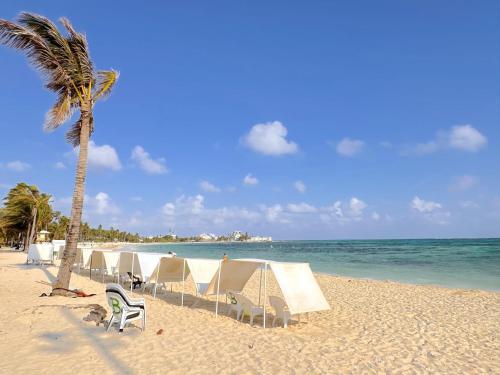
pixel 65 64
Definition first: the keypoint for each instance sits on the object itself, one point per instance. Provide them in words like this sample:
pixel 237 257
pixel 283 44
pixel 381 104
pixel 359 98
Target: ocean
pixel 460 263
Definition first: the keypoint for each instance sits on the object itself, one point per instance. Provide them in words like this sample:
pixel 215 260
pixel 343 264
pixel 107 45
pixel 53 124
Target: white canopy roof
pixel 142 264
pixel 296 281
pixel 40 252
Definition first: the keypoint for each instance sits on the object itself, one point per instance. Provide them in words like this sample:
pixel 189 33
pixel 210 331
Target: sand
pixel 373 327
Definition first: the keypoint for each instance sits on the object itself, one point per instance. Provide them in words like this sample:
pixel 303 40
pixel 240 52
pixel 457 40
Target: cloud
pixel 101 204
pixel 59 165
pixel 299 186
pixel 151 166
pixel 250 180
pixel 270 139
pixel 344 212
pixel 209 187
pixel 421 205
pixel 273 213
pixel 136 199
pixel 375 216
pixel 463 183
pixel 468 204
pixel 349 147
pixel 430 210
pixel 16 166
pixel 301 208
pixel 460 137
pixel 467 138
pixel 101 157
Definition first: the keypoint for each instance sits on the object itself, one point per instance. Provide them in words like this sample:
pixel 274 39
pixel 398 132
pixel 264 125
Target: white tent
pixel 59 246
pixel 296 281
pixel 40 253
pixel 178 269
pixel 104 260
pixel 137 263
pixel 83 255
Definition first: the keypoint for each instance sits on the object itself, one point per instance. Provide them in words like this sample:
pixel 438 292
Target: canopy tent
pixel 83 257
pixel 59 246
pixel 142 264
pixel 178 269
pixel 104 260
pixel 296 281
pixel 40 253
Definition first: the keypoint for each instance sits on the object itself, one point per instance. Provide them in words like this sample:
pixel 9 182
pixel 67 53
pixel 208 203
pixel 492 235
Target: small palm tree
pixel 65 64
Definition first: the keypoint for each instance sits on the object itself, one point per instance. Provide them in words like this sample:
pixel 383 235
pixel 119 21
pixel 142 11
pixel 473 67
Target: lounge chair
pixel 123 308
pixel 281 311
pixel 248 307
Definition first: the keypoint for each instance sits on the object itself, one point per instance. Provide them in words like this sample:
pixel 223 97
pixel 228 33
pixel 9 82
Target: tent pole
pixel 91 256
pixel 265 294
pixel 118 266
pixel 260 284
pixel 218 286
pixel 183 274
pixel 132 280
pixel 156 281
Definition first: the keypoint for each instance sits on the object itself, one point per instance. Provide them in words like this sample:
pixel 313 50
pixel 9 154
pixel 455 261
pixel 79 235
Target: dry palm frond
pixel 106 79
pixel 73 134
pixel 59 113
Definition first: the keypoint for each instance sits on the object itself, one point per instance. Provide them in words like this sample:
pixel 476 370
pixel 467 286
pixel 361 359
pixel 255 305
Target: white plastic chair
pixel 234 305
pixel 248 307
pixel 123 308
pixel 281 310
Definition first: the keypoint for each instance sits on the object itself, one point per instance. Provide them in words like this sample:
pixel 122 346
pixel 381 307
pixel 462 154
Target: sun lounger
pixel 281 311
pixel 234 305
pixel 123 308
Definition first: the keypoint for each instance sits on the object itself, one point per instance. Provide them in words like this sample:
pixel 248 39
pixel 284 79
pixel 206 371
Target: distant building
pixel 207 237
pixel 236 235
pixel 260 239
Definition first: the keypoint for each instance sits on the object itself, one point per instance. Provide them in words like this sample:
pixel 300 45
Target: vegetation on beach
pixel 67 69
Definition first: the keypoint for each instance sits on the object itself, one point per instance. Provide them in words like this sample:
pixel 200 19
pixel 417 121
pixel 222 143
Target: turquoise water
pixel 461 263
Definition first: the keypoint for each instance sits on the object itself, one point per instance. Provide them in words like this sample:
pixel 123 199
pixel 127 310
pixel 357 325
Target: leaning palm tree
pixel 68 71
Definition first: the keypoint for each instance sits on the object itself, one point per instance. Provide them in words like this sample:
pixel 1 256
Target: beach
pixel 372 327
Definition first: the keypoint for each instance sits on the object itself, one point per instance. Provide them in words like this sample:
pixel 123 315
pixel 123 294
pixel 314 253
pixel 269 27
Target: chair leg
pixel 251 319
pixel 122 322
pixel 110 323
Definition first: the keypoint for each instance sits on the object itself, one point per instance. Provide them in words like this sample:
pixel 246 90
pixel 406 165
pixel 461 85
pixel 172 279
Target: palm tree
pixel 26 212
pixel 65 64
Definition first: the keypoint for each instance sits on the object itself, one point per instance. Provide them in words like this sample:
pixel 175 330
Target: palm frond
pixel 80 49
pixel 39 54
pixel 106 79
pixel 59 113
pixel 73 134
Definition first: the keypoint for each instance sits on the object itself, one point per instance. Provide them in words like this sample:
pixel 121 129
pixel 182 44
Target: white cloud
pixel 270 139
pixel 460 137
pixel 467 138
pixel 430 210
pixel 146 163
pixel 349 147
pixel 344 212
pixel 299 186
pixel 59 165
pixel 468 204
pixel 209 187
pixel 375 216
pixel 101 157
pixel 463 183
pixel 301 208
pixel 424 206
pixel 356 207
pixel 250 180
pixel 273 213
pixel 168 209
pixel 16 166
pixel 101 204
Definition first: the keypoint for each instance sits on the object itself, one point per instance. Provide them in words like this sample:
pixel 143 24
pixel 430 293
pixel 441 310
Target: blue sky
pixel 298 120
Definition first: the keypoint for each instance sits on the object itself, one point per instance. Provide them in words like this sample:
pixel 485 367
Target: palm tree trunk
pixel 26 238
pixel 68 258
pixel 32 233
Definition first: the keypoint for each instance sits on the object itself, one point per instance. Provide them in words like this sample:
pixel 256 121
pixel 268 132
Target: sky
pixel 297 120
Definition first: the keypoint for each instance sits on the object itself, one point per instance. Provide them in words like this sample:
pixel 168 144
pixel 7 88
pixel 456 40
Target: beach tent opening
pixel 178 269
pixel 137 263
pixel 104 260
pixel 295 280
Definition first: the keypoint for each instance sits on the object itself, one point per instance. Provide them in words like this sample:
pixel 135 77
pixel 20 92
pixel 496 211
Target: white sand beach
pixel 372 327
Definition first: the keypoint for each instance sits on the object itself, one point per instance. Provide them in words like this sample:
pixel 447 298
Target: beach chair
pixel 234 305
pixel 135 280
pixel 123 308
pixel 281 310
pixel 248 307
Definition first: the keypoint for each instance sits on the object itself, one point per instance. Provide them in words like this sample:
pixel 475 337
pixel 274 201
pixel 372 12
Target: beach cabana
pixel 296 281
pixel 138 263
pixel 178 269
pixel 40 253
pixel 59 246
pixel 83 257
pixel 104 260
